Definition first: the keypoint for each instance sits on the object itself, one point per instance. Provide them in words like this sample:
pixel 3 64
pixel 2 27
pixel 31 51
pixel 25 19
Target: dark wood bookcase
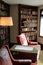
pixel 4 31
pixel 28 20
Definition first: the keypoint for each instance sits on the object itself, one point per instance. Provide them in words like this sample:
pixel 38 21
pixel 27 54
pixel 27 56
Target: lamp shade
pixel 6 21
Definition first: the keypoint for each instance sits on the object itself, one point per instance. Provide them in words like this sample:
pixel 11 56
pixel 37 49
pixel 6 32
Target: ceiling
pixel 27 2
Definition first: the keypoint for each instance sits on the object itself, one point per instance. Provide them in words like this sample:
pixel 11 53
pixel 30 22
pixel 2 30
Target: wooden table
pixel 26 52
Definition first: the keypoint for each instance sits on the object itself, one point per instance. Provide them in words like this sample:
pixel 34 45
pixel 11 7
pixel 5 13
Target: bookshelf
pixel 4 31
pixel 28 19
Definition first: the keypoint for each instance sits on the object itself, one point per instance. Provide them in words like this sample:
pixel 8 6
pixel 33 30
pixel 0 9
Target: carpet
pixel 40 60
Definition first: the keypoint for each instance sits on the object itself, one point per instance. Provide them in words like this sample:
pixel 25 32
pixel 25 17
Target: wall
pixel 40 39
pixel 14 28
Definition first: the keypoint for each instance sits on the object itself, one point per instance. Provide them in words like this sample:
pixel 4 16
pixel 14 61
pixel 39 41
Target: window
pixel 41 23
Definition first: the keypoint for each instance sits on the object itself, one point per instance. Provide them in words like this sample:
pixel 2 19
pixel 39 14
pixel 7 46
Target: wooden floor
pixel 40 61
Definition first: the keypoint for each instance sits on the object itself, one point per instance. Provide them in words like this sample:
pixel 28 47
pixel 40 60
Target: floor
pixel 40 61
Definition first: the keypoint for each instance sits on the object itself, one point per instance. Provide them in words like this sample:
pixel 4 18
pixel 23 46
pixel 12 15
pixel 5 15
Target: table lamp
pixel 4 23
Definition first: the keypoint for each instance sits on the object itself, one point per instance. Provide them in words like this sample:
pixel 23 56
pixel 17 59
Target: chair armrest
pixel 32 43
pixel 22 61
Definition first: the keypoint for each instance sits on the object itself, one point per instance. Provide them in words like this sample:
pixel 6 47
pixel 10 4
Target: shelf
pixel 27 31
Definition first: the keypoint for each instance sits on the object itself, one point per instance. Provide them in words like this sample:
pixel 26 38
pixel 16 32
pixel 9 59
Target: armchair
pixel 7 59
pixel 21 39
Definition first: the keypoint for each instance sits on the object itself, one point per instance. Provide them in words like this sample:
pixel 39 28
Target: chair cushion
pixel 4 57
pixel 23 39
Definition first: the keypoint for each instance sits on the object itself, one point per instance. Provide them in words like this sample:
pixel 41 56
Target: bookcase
pixel 4 9
pixel 28 19
pixel 4 31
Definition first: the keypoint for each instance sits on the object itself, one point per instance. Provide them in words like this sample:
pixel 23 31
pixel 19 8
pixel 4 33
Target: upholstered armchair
pixel 7 59
pixel 21 39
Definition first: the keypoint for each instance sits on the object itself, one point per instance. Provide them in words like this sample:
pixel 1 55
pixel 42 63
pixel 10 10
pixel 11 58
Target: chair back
pixel 21 39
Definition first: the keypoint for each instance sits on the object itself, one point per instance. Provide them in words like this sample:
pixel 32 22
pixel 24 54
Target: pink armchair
pixel 21 39
pixel 7 59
